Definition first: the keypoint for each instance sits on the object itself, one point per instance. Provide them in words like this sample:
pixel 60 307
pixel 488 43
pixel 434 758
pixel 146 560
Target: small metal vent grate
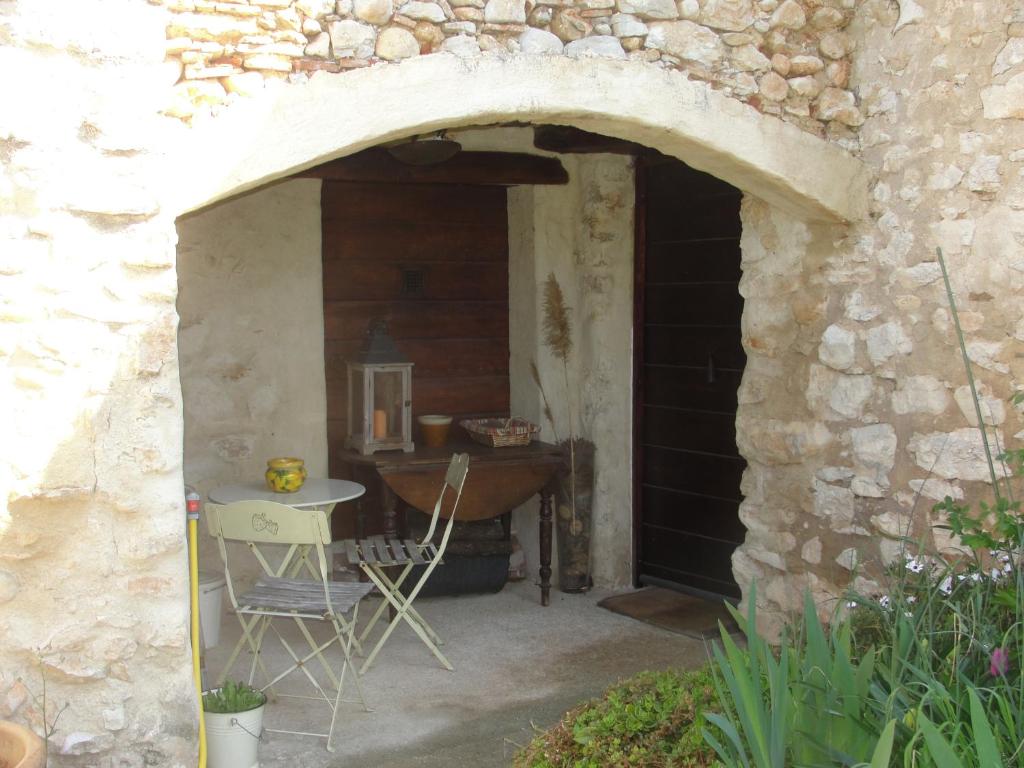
pixel 412 282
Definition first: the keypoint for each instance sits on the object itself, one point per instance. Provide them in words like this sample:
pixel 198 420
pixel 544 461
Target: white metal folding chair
pixel 376 555
pixel 274 596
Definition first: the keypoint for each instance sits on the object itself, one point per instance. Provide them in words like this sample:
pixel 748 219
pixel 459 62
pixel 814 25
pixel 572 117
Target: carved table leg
pixel 545 547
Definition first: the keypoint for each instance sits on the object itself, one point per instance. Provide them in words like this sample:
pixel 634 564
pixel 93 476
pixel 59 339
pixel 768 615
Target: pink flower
pixel 1000 663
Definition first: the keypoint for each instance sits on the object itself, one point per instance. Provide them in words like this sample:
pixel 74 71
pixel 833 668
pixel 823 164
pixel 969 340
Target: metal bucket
pixel 233 739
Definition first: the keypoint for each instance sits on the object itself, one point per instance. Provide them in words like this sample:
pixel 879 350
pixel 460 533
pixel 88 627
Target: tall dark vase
pixel 573 527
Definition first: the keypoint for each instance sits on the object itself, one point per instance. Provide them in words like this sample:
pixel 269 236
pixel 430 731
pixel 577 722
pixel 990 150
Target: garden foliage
pixel 801 704
pixel 233 697
pixel 927 674
pixel 653 719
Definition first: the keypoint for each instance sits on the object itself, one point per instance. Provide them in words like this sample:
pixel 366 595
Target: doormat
pixel 675 611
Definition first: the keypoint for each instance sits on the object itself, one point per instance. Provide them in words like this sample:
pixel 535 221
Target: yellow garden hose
pixel 192 502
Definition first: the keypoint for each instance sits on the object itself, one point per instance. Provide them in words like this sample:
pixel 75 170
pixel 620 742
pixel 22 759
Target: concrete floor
pixel 518 668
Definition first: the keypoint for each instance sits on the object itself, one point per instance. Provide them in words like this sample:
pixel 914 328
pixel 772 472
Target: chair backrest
pixel 268 522
pixel 454 479
pixel 458 467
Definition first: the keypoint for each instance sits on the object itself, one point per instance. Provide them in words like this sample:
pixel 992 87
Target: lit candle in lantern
pixel 380 424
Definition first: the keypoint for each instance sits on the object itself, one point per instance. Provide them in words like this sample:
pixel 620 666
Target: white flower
pixel 911 599
pixel 851 604
pixel 915 564
pixel 884 601
pixel 946 585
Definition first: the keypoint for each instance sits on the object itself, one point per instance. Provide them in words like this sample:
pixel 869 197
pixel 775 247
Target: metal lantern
pixel 379 396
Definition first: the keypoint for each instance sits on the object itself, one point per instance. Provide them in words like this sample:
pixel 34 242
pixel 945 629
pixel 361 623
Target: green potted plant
pixel 574 486
pixel 234 721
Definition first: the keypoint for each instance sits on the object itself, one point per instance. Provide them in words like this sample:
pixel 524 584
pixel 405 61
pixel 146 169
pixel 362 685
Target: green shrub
pixel 653 720
pixel 233 697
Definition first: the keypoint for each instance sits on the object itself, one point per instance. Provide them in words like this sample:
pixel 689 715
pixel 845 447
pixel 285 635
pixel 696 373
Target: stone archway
pixel 295 127
pixel 796 184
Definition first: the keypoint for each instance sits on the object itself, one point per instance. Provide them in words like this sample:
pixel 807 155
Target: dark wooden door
pixel 688 363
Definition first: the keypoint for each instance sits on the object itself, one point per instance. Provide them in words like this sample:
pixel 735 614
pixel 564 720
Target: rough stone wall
pixel 852 416
pixel 251 340
pixel 783 433
pixel 789 58
pixel 876 422
pixel 93 584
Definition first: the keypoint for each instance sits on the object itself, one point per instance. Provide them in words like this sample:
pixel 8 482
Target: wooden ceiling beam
pixel 568 140
pixel 481 168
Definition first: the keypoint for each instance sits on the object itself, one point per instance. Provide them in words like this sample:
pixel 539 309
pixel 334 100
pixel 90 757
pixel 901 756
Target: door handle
pixel 712 373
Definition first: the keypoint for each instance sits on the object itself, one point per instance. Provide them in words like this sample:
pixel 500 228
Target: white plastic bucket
pixel 232 740
pixel 211 592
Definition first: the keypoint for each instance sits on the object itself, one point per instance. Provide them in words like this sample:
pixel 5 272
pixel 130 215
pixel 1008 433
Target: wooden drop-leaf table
pixel 499 480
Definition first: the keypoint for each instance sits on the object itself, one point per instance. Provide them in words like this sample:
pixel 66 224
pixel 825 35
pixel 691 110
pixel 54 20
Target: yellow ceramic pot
pixel 285 475
pixel 434 429
pixel 20 747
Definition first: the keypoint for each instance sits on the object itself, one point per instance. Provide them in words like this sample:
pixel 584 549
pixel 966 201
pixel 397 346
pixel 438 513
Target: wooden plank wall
pixel 456 330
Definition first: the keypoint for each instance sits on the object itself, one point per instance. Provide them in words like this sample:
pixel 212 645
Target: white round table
pixel 313 493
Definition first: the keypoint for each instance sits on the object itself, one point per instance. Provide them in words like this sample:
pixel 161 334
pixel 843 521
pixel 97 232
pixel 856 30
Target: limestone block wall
pixel 789 58
pixel 873 422
pixel 251 339
pixel 93 582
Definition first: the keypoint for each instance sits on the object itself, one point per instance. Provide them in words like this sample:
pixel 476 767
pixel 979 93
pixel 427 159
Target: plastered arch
pixel 297 126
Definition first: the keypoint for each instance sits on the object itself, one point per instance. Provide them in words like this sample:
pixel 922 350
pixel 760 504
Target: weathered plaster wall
pixel 876 420
pixel 93 581
pixel 251 338
pixel 583 234
pixel 524 323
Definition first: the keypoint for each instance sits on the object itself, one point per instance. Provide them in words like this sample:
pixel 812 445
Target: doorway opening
pixel 689 360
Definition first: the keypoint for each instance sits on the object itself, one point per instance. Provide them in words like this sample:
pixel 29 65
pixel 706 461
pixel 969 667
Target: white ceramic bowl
pixel 434 420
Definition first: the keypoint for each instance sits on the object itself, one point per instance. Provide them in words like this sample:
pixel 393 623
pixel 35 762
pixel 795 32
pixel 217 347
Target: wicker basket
pixel 500 433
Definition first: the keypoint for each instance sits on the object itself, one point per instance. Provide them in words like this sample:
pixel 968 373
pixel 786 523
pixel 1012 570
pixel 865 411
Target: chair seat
pixel 378 551
pixel 270 593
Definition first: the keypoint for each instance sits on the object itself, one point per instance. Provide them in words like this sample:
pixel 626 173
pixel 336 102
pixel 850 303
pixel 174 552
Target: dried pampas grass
pixel 557 326
pixel 558 339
